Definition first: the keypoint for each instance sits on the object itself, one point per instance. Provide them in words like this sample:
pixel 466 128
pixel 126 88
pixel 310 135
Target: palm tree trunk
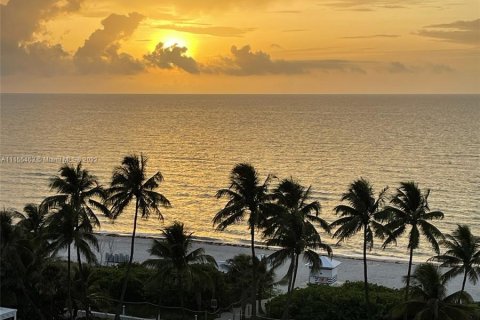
pixel 129 266
pixel 295 272
pixel 254 274
pixel 79 262
pixel 409 273
pixel 464 280
pixel 69 284
pixel 293 277
pixel 292 267
pixel 365 272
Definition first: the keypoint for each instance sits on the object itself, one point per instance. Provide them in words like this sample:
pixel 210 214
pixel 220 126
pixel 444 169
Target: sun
pixel 170 41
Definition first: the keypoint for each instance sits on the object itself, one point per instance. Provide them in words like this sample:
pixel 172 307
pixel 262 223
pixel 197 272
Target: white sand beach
pixel 382 272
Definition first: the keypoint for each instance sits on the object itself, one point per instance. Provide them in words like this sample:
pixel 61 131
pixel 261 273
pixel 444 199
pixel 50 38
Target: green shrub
pixel 347 302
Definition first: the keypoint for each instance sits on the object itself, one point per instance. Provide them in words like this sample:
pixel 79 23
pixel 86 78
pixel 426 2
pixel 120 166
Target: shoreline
pixel 220 242
pixel 384 272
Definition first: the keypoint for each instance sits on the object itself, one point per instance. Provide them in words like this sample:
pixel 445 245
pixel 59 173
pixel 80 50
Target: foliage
pixel 409 208
pixel 129 182
pixel 361 212
pixel 429 300
pixel 462 255
pixel 347 302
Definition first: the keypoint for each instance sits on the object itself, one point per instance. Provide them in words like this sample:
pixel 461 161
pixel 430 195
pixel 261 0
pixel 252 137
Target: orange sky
pixel 240 46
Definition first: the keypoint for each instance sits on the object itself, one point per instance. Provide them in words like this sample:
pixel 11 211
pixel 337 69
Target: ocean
pixel 325 141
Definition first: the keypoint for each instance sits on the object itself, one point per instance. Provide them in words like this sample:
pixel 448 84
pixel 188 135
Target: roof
pixel 329 263
pixel 6 313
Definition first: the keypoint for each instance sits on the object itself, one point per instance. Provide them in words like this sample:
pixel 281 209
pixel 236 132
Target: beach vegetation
pixel 239 279
pixel 292 227
pixel 429 299
pixel 130 183
pixel 345 302
pixel 462 256
pixel 360 213
pixel 409 209
pixel 176 264
pixel 248 197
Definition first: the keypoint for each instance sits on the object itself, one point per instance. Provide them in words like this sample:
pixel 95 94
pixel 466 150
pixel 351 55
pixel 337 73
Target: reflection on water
pixel 195 140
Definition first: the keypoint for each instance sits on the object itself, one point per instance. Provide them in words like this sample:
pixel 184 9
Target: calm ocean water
pixel 325 141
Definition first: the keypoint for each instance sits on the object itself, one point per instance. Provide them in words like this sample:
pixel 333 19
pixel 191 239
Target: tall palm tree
pixel 130 183
pixel 64 231
pixel 462 255
pixel 176 262
pixel 360 213
pixel 292 227
pixel 429 300
pixel 409 208
pixel 247 196
pixel 79 189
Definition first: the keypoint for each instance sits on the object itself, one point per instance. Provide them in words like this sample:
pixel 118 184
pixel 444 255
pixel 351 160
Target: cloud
pixel 170 57
pixel 20 51
pixel 371 5
pixel 466 32
pixel 294 30
pixel 100 52
pixel 245 62
pixel 373 36
pixel 213 31
pixel 398 67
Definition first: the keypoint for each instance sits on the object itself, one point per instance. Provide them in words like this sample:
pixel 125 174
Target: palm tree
pixel 409 207
pixel 78 188
pixel 361 213
pixel 176 262
pixel 33 219
pixel 20 266
pixel 64 231
pixel 239 276
pixel 293 229
pixel 247 197
pixel 87 292
pixel 429 300
pixel 130 183
pixel 462 255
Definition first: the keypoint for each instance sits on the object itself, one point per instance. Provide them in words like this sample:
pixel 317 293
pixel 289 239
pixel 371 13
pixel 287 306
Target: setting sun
pixel 174 41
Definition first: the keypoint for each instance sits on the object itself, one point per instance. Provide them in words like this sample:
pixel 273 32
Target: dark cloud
pixel 245 62
pixel 373 36
pixel 20 51
pixel 170 57
pixel 213 30
pixel 100 52
pixel 467 32
pixel 398 67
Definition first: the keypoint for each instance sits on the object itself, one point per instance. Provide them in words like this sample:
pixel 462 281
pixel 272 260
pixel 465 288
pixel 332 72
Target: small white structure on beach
pixel 327 273
pixel 8 314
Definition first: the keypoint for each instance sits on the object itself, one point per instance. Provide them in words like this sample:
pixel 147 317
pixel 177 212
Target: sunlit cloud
pixel 100 52
pixel 218 31
pixel 373 36
pixel 21 51
pixel 245 62
pixel 467 32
